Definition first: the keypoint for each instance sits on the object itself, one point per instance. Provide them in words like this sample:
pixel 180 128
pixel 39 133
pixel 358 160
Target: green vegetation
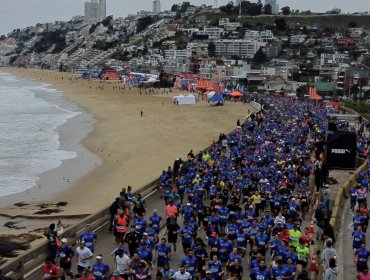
pixel 47 39
pixel 361 107
pixel 143 23
pixel 306 18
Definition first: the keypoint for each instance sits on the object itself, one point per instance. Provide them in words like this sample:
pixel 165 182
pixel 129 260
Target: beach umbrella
pixel 212 93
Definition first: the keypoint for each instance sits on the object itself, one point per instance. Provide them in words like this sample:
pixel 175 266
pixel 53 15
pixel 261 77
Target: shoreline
pixel 70 134
pixel 133 150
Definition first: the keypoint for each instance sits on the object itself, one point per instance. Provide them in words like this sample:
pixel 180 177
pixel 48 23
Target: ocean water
pixel 30 112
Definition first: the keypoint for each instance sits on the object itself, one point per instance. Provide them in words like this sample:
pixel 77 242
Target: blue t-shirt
pixel 278 273
pixel 65 253
pixel 358 237
pixel 215 269
pixel 241 239
pixel 190 264
pixel 261 241
pixel 145 254
pixel 258 274
pixel 88 237
pixel 186 235
pixel 100 270
pixel 163 251
pixel 226 246
pixel 222 215
pixel 156 220
pixel 362 256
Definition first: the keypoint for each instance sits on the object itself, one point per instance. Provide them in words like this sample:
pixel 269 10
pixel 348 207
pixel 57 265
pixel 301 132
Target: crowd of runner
pixel 240 209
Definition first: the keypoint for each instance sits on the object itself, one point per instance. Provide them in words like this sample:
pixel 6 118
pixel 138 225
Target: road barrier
pixel 338 207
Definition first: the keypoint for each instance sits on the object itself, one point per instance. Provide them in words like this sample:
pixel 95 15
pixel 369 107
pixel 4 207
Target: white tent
pixel 184 99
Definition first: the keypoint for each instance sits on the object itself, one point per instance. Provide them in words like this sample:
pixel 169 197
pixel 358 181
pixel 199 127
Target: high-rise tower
pixel 156 7
pixel 274 6
pixel 95 11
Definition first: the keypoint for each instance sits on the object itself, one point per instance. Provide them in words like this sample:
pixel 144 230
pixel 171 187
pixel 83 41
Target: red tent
pixel 313 94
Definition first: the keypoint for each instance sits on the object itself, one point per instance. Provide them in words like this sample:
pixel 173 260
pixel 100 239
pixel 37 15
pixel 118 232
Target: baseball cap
pixel 88 225
pixel 155 210
pixel 145 233
pixel 208 271
pixel 64 240
pixel 99 257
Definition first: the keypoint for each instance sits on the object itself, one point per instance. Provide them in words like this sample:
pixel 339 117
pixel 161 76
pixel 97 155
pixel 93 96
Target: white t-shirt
pixel 84 256
pixel 179 276
pixel 123 263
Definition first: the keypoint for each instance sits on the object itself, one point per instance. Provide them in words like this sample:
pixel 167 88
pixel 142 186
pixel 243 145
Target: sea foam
pixel 29 141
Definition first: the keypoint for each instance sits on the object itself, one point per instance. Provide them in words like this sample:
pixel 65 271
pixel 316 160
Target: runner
pixel 65 254
pixel 84 255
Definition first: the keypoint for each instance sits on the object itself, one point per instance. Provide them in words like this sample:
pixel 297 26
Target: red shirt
pixel 171 211
pixel 284 235
pixel 51 272
pixel 119 278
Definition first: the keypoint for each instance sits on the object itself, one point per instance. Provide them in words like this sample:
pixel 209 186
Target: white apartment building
pixel 95 11
pixel 274 6
pixel 177 54
pixel 156 7
pixel 222 21
pixel 242 48
pixel 263 36
pixel 266 36
pixel 297 39
pixel 212 32
pixel 251 35
pixel 231 26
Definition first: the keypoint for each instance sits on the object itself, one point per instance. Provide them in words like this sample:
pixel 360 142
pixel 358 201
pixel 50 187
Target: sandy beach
pixel 126 149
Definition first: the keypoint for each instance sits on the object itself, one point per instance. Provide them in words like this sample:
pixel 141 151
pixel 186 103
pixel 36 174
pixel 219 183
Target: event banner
pixel 341 150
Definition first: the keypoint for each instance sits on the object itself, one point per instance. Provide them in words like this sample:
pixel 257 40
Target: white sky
pixel 22 13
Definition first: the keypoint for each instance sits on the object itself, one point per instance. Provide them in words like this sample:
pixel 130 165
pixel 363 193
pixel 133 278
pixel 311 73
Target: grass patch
pixel 362 107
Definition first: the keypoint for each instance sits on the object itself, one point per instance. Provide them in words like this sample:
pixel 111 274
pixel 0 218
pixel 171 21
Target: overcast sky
pixel 22 13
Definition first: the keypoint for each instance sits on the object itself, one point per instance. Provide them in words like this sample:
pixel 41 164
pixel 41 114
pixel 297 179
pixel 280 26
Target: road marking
pixel 350 225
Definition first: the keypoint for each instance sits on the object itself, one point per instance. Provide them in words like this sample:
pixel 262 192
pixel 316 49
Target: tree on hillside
pixel 260 57
pixel 174 8
pixel 352 24
pixel 285 10
pixel 267 9
pixel 184 7
pixel 143 23
pixel 211 49
pixel 228 8
pixel 107 20
pixel 281 24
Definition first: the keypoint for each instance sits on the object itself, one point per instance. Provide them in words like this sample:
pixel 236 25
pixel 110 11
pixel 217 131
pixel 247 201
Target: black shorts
pixel 172 238
pixel 303 263
pixel 66 265
pixel 80 269
pixel 361 267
